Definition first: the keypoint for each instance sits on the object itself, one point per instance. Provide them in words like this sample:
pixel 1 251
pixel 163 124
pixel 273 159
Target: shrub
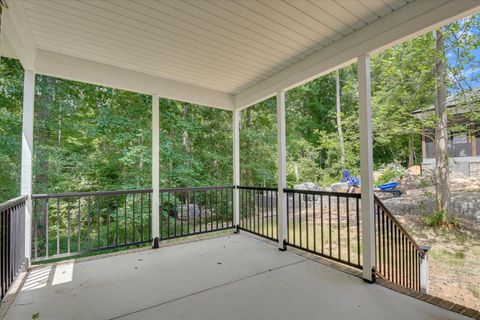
pixel 441 219
pixel 391 173
pixel 436 219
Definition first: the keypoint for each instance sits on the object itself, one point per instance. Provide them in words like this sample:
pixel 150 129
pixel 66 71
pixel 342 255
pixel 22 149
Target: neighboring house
pixel 463 145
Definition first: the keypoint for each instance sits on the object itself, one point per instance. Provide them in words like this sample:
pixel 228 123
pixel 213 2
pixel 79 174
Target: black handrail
pixel 256 188
pixel 324 193
pixel 398 256
pixel 12 241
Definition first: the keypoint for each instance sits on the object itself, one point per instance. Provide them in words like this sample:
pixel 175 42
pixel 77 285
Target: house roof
pixel 458 104
pixel 228 54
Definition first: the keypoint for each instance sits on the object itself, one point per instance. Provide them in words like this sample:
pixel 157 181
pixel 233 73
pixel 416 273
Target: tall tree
pixel 441 129
pixel 411 149
pixel 341 145
pixel 11 89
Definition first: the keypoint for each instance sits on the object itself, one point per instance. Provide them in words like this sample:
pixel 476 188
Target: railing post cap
pixel 424 248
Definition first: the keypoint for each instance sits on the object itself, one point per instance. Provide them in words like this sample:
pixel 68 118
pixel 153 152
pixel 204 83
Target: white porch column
pixel 236 169
pixel 424 269
pixel 282 171
pixel 27 152
pixel 366 168
pixel 155 171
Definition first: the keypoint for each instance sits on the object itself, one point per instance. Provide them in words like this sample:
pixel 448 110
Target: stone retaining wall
pixel 466 204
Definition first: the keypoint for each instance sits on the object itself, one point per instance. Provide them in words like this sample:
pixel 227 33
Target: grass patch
pixel 475 290
pixel 456 258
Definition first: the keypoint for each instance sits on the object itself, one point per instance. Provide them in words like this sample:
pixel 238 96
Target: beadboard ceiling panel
pixel 222 45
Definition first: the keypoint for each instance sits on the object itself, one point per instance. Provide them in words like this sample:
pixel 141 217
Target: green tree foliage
pixel 11 91
pixel 195 145
pixel 89 137
pixel 258 145
pixel 402 82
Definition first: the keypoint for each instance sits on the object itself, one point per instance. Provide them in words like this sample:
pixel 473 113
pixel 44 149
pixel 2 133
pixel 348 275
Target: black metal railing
pixel 325 223
pixel 330 224
pixel 12 241
pixel 398 256
pixel 72 223
pixel 189 211
pixel 258 211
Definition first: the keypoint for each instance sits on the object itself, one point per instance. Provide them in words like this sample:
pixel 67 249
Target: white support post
pixel 27 152
pixel 282 172
pixel 366 168
pixel 236 169
pixel 155 171
pixel 424 269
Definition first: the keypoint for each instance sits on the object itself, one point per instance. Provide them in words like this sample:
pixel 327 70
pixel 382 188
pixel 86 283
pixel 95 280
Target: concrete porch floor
pixel 231 277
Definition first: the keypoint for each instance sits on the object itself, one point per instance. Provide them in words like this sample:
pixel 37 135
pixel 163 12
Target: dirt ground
pixel 454 259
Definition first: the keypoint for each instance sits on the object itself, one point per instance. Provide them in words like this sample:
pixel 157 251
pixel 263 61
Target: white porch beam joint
pixel 366 168
pixel 155 171
pixel 27 154
pixel 282 171
pixel 236 169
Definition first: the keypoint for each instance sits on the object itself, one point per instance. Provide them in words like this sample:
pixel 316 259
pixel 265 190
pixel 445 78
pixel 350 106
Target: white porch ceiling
pixel 224 53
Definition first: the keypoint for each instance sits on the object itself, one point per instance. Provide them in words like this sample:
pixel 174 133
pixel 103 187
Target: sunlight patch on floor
pixel 63 274
pixel 51 276
pixel 37 279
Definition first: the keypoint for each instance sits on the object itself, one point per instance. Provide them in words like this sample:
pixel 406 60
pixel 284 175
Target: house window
pixel 460 145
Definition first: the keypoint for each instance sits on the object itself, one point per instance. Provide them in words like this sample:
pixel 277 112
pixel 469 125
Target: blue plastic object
pixel 346 175
pixel 351 180
pixel 388 186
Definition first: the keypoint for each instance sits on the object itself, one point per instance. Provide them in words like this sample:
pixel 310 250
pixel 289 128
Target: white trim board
pixel 67 67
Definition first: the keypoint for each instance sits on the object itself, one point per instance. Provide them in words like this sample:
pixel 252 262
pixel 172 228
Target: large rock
pixel 464 204
pixel 266 201
pixel 187 212
pixel 340 186
pixel 306 186
pixel 305 199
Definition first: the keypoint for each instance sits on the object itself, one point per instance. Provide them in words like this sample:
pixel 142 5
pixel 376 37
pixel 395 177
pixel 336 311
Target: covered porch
pixel 233 276
pixel 228 55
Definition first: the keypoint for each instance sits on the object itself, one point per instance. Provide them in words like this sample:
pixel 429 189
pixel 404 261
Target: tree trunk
pixel 411 151
pixel 185 138
pixel 248 124
pixel 1 8
pixel 339 122
pixel 441 133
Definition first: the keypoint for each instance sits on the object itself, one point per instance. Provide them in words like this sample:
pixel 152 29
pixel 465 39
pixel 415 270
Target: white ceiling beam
pixel 17 38
pixel 71 68
pixel 406 23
